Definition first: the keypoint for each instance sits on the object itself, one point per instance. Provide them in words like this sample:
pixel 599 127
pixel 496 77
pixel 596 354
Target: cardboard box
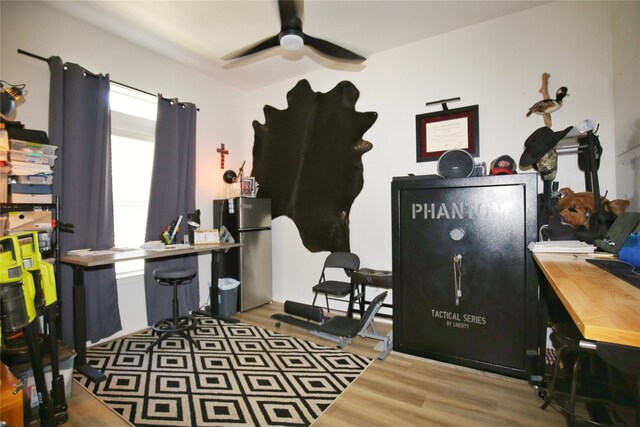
pixel 28 221
pixel 31 198
pixel 4 180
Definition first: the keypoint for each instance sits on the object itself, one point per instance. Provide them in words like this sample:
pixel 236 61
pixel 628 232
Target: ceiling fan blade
pixel 264 44
pixel 289 16
pixel 331 49
pixel 291 25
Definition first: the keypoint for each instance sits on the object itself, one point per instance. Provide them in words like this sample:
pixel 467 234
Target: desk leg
pixel 213 291
pixel 80 328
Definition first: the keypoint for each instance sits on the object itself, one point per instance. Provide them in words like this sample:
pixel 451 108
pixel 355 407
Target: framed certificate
pixel 447 130
pixel 205 237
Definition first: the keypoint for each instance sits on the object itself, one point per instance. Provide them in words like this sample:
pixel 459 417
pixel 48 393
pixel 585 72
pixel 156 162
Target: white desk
pixel 80 264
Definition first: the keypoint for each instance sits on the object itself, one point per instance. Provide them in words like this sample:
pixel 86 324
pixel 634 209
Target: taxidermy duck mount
pixel 308 161
pixel 547 106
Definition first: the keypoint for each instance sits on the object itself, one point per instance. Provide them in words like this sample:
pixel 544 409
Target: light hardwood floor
pixel 401 391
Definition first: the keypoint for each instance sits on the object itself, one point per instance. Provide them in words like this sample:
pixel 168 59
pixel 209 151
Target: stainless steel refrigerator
pixel 248 220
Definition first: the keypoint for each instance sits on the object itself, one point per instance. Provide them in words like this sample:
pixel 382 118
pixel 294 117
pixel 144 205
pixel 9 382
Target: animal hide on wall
pixel 307 159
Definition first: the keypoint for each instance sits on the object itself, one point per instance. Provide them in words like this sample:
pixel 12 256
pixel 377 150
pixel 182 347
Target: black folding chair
pixel 337 289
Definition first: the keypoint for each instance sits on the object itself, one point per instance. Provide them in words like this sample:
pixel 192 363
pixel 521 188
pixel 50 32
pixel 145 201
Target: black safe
pixel 465 289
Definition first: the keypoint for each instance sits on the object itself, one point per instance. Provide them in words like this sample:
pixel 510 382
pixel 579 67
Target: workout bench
pixel 339 329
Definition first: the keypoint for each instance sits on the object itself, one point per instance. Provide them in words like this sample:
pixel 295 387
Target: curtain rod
pixel 38 57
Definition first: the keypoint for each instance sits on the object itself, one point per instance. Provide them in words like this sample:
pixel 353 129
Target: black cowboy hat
pixel 539 143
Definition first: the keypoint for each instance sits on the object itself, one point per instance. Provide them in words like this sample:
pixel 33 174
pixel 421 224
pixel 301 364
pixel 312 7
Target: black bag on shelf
pixel 29 135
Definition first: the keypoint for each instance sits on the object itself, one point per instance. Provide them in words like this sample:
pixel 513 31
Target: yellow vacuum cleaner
pixel 17 295
pixel 46 298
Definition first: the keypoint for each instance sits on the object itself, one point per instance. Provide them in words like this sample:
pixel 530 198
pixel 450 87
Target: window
pixel 133 121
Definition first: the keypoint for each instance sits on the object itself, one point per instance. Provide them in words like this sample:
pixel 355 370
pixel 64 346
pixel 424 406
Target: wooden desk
pixel 82 263
pixel 603 307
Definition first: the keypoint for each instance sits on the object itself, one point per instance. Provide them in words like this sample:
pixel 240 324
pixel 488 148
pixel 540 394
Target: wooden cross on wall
pixel 222 152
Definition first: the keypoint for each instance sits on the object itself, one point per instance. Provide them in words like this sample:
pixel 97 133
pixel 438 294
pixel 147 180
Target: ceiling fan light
pixel 291 42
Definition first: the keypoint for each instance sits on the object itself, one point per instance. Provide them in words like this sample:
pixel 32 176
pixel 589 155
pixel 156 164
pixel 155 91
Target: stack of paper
pixel 562 246
pixel 153 245
pixel 24 168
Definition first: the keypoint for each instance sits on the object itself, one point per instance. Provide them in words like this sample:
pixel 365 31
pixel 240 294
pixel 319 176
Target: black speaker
pixel 455 164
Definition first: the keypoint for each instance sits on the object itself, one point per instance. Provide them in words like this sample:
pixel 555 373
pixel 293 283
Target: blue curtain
pixel 79 125
pixel 172 194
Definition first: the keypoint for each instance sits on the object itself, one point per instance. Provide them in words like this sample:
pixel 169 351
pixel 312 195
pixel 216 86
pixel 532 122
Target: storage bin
pixel 32 157
pixel 24 168
pixel 19 145
pixel 29 189
pixel 38 179
pixel 24 372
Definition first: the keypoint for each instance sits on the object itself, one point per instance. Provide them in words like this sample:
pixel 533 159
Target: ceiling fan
pixel 292 38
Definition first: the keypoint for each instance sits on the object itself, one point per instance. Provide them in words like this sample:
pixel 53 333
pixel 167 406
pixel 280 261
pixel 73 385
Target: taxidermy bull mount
pixel 308 161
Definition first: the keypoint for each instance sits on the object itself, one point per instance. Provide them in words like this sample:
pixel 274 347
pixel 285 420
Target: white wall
pixel 496 64
pixel 626 63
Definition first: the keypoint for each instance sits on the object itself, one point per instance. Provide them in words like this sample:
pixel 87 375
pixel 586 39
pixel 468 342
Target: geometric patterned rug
pixel 237 375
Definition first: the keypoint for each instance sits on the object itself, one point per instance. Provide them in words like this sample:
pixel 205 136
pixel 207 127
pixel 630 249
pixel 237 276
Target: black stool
pixel 176 325
pixel 368 276
pixel 573 348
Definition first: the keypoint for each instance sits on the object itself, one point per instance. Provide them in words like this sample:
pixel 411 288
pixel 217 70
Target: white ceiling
pixel 199 33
